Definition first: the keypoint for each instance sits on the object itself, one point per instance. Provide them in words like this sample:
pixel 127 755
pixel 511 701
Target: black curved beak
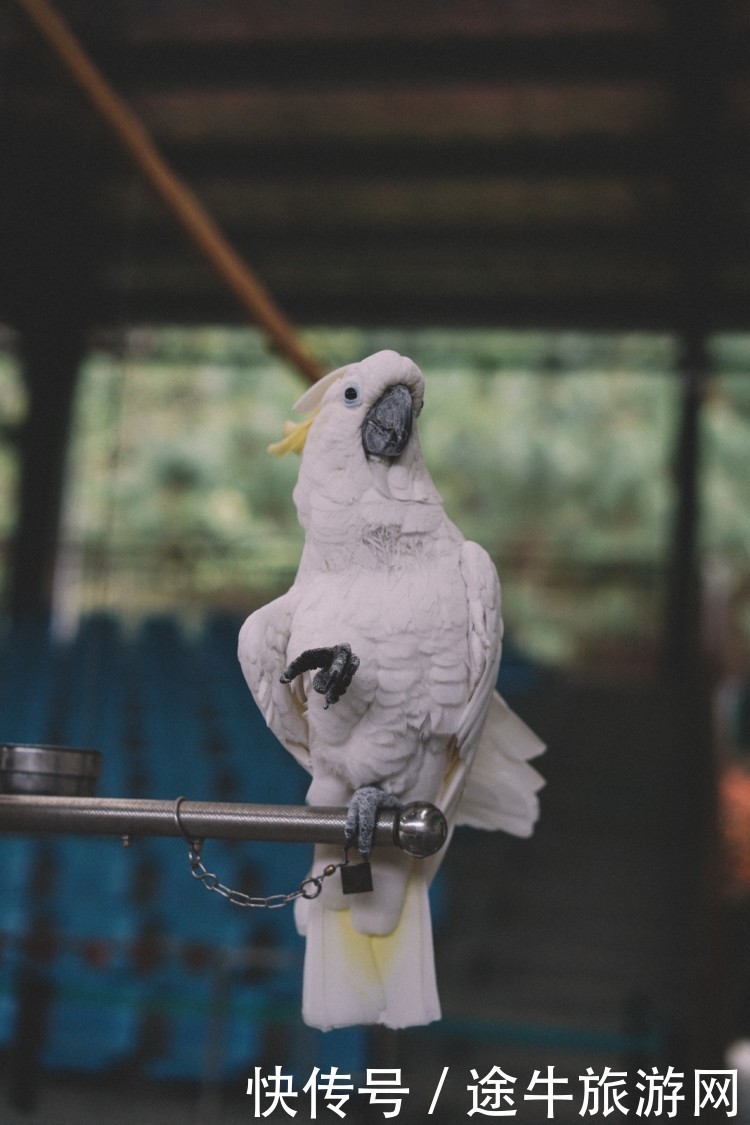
pixel 387 425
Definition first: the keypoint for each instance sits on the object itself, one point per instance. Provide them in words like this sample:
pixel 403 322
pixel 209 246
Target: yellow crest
pixel 295 436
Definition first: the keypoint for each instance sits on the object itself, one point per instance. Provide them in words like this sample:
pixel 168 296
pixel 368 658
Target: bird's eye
pixel 352 394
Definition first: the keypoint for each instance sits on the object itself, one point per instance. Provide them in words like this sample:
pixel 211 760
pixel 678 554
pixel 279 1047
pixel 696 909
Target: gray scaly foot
pixel 362 816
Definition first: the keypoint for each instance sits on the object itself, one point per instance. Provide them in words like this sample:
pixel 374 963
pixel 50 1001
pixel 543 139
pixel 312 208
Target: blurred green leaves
pixel 554 450
pixel 550 449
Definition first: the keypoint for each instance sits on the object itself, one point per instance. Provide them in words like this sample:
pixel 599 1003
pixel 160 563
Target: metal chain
pixel 308 888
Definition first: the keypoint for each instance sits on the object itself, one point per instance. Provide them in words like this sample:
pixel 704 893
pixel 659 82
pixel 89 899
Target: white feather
pixel 385 570
pixel 355 978
pixel 501 787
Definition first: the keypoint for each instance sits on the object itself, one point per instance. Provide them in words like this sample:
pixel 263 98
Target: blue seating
pixel 16 906
pixel 96 699
pixel 200 1034
pixel 92 1023
pixel 93 1016
pixel 172 716
pixel 18 866
pixel 8 996
pixel 27 683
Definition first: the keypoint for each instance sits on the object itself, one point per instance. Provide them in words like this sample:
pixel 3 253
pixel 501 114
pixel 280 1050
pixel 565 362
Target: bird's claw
pixel 337 667
pixel 362 816
pixel 334 678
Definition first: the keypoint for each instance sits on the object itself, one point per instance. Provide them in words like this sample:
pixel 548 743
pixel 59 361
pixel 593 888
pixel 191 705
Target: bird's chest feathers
pixel 394 595
pixel 389 547
pixel 405 616
pixel 382 569
pixel 378 537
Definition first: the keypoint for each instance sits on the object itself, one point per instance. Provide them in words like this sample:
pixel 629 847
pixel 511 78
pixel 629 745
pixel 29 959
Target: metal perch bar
pixel 418 829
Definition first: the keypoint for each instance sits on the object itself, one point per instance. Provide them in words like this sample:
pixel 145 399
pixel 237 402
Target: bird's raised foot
pixel 362 816
pixel 337 667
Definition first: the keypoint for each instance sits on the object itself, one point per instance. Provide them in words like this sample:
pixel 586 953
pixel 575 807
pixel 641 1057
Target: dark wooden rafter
pixel 344 62
pixel 530 165
pixel 696 152
pixel 700 34
pixel 51 361
pixel 300 146
pixel 417 159
pixel 181 202
pixel 53 320
pixel 47 236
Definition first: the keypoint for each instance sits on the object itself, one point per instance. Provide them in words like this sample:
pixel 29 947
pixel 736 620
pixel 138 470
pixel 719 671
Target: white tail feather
pixel 501 788
pixel 354 978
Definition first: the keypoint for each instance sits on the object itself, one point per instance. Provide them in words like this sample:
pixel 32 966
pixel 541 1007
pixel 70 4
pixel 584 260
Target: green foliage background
pixel 553 450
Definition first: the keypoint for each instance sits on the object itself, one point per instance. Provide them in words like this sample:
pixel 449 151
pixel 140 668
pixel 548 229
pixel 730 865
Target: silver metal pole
pixel 419 828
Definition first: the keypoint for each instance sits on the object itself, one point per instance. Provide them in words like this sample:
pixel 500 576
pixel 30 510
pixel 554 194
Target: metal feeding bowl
pixel 50 771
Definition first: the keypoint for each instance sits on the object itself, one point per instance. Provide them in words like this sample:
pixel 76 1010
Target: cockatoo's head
pixel 384 391
pixel 359 438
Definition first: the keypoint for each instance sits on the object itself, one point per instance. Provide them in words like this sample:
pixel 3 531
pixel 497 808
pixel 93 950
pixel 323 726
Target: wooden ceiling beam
pixel 414 159
pixel 649 239
pixel 179 199
pixel 493 203
pixel 309 196
pixel 335 63
pixel 589 312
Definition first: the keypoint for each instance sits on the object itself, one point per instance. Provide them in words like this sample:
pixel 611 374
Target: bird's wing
pixel 489 783
pixel 262 653
pixel 485 634
pixel 485 637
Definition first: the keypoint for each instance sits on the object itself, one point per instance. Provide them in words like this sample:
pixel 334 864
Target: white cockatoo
pixel 401 614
